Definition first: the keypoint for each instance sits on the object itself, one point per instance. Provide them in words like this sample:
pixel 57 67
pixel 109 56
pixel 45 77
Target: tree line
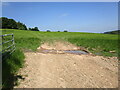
pixel 12 24
pixel 113 32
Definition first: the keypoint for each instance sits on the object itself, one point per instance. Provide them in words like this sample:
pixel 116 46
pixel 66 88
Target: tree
pixel 30 28
pixel 21 26
pixel 8 23
pixel 12 24
pixel 4 22
pixel 65 31
pixel 48 31
pixel 25 27
pixel 34 29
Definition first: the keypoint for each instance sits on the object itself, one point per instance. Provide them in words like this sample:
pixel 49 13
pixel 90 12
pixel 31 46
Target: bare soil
pixel 49 70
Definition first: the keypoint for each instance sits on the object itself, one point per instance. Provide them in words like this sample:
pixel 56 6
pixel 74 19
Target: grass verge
pixel 10 65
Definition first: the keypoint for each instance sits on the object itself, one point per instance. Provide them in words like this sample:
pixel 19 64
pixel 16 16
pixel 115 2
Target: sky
pixel 95 17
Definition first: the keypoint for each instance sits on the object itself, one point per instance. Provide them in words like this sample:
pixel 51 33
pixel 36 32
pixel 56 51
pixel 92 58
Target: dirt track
pixel 47 70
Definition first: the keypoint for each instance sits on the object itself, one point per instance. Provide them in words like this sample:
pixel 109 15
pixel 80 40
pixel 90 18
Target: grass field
pixel 100 44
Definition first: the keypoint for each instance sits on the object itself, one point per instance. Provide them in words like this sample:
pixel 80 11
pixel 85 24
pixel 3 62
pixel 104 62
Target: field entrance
pixel 55 68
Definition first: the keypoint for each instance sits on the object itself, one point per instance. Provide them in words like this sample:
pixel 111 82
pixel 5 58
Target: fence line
pixel 11 47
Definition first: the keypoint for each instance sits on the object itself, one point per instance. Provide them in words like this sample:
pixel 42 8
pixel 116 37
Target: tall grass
pixel 10 65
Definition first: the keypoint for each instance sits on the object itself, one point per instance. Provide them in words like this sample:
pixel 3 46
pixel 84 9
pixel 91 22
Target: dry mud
pixel 51 70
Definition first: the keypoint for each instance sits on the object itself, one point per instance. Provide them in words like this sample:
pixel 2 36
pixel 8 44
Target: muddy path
pixel 64 70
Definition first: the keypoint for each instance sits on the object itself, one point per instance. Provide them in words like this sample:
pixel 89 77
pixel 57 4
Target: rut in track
pixel 56 70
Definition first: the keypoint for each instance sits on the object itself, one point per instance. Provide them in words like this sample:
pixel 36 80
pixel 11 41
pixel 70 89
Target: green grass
pixel 10 65
pixel 100 44
pixel 97 46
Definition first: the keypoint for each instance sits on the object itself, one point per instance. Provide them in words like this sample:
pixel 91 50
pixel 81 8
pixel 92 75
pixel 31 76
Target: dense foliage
pixel 21 26
pixel 48 31
pixel 12 24
pixel 65 31
pixel 34 29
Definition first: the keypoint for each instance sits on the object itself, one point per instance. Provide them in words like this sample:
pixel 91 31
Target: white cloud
pixel 64 14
